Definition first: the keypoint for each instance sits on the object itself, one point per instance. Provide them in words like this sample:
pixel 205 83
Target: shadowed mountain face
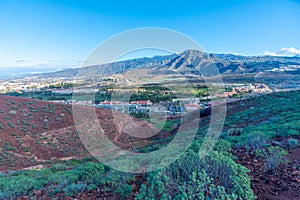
pixel 191 62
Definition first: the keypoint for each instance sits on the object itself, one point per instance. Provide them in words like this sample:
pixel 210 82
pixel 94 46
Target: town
pixel 144 101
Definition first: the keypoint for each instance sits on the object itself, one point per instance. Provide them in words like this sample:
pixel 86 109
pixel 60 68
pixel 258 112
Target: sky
pixel 67 31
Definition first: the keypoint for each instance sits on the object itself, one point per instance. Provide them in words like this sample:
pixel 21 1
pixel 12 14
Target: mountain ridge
pixel 187 62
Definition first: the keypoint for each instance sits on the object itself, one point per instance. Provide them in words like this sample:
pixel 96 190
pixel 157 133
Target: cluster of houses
pixel 146 106
pixel 29 84
pixel 255 88
pixel 14 86
pixel 126 107
pixel 164 108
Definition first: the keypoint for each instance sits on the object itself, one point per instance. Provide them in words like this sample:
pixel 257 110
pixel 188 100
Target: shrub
pixel 64 177
pixel 43 176
pixel 234 131
pixel 91 187
pixel 224 147
pixel 87 170
pixel 58 167
pixel 255 141
pixel 52 190
pixel 12 112
pixel 9 148
pixel 125 190
pixel 57 188
pixel 292 143
pixel 11 125
pixel 74 189
pixel 17 186
pixel 274 156
pixel 214 177
pixel 119 182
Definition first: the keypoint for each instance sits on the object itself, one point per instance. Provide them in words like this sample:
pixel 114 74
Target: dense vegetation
pixel 63 178
pixel 274 115
pixel 216 176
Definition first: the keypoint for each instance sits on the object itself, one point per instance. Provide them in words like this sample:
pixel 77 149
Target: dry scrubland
pixel 257 154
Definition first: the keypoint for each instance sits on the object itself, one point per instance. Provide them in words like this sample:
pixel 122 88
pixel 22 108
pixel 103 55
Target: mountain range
pixel 190 62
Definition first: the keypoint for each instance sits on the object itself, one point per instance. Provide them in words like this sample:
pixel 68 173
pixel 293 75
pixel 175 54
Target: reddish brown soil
pixel 35 132
pixel 282 184
pixel 38 131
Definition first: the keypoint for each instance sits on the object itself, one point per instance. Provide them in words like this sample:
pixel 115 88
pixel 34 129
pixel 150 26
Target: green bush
pixel 66 177
pixel 292 143
pixel 255 141
pixel 119 182
pixel 214 177
pixel 43 176
pixel 274 156
pixel 54 180
pixel 74 189
pixel 91 187
pixel 18 186
pixel 86 171
pixel 11 125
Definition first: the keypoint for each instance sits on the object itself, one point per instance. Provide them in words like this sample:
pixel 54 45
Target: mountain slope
pixel 112 68
pixel 35 132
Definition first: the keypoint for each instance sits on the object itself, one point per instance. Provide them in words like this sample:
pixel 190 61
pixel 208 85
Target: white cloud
pixel 268 53
pixel 291 51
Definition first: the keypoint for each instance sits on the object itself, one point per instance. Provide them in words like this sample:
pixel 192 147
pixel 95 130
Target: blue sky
pixel 62 30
